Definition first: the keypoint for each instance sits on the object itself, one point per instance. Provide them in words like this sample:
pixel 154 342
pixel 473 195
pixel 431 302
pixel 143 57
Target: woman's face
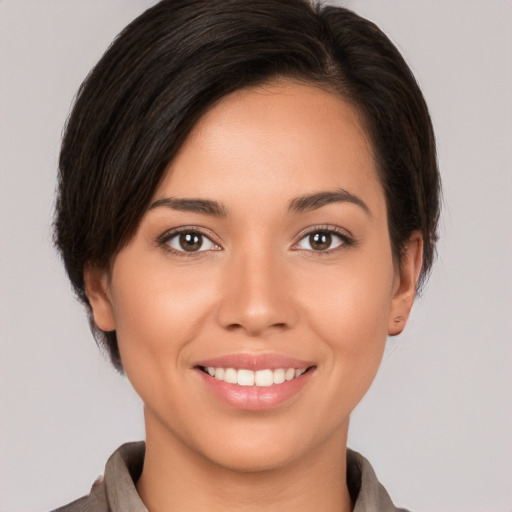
pixel 265 256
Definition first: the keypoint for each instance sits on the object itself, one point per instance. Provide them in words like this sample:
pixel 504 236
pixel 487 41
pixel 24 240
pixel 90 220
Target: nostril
pixel 233 327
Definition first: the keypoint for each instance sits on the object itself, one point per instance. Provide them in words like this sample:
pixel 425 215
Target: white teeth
pixel 264 378
pixel 289 374
pixel 278 376
pixel 261 378
pixel 230 375
pixel 245 378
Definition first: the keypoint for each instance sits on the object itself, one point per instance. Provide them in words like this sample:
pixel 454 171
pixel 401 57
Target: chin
pixel 254 459
pixel 271 446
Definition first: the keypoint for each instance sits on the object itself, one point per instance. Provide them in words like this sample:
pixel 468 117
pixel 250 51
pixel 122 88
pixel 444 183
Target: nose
pixel 257 295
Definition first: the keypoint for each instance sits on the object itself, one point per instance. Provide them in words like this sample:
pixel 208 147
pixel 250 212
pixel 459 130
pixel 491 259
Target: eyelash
pixel 346 240
pixel 165 239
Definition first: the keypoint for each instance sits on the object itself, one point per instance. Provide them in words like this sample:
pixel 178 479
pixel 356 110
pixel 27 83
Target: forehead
pixel 282 137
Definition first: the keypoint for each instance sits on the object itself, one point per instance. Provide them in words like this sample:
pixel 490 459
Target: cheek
pixel 157 313
pixel 349 307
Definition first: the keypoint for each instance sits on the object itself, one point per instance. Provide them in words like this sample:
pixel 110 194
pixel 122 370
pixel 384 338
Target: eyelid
pixel 164 238
pixel 345 235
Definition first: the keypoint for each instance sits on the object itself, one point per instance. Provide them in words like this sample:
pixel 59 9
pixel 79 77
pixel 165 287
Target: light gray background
pixel 437 424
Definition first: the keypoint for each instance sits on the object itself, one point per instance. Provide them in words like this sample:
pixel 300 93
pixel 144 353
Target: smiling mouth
pixel 258 378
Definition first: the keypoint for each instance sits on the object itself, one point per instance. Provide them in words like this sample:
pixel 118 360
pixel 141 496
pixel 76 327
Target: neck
pixel 177 478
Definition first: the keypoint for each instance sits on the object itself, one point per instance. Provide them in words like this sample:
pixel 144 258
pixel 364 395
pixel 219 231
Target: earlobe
pixel 97 291
pixel 404 290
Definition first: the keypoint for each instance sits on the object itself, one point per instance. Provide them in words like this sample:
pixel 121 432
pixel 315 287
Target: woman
pixel 248 203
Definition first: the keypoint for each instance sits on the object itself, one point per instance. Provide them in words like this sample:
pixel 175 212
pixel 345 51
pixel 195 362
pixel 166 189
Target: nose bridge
pixel 255 296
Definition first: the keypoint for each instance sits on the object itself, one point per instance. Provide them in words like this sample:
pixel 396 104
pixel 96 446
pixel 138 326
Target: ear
pixel 404 289
pixel 98 293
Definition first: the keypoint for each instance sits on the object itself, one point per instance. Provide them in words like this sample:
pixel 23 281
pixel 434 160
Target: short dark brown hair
pixel 139 103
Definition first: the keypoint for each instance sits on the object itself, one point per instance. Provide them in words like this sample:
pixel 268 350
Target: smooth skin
pixel 257 281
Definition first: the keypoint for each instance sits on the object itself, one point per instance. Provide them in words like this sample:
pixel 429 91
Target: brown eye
pixel 321 241
pixel 190 241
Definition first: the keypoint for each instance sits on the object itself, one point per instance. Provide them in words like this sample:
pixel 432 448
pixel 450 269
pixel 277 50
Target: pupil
pixel 190 241
pixel 320 241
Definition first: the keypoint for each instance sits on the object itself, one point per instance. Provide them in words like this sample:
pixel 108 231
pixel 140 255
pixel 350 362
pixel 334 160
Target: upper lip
pixel 254 362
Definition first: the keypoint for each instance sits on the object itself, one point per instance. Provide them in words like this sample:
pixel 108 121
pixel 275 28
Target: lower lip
pixel 255 398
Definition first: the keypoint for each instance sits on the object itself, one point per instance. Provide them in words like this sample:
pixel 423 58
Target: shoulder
pixel 116 491
pixel 95 501
pixel 367 493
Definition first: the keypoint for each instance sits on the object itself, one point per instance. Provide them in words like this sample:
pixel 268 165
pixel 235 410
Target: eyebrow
pixel 300 204
pixel 205 206
pixel 314 201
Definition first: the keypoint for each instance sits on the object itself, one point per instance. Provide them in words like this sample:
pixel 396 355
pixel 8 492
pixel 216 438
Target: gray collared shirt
pixel 116 491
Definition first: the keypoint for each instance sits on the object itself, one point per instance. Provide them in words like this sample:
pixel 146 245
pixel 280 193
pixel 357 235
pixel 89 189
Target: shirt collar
pixel 124 468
